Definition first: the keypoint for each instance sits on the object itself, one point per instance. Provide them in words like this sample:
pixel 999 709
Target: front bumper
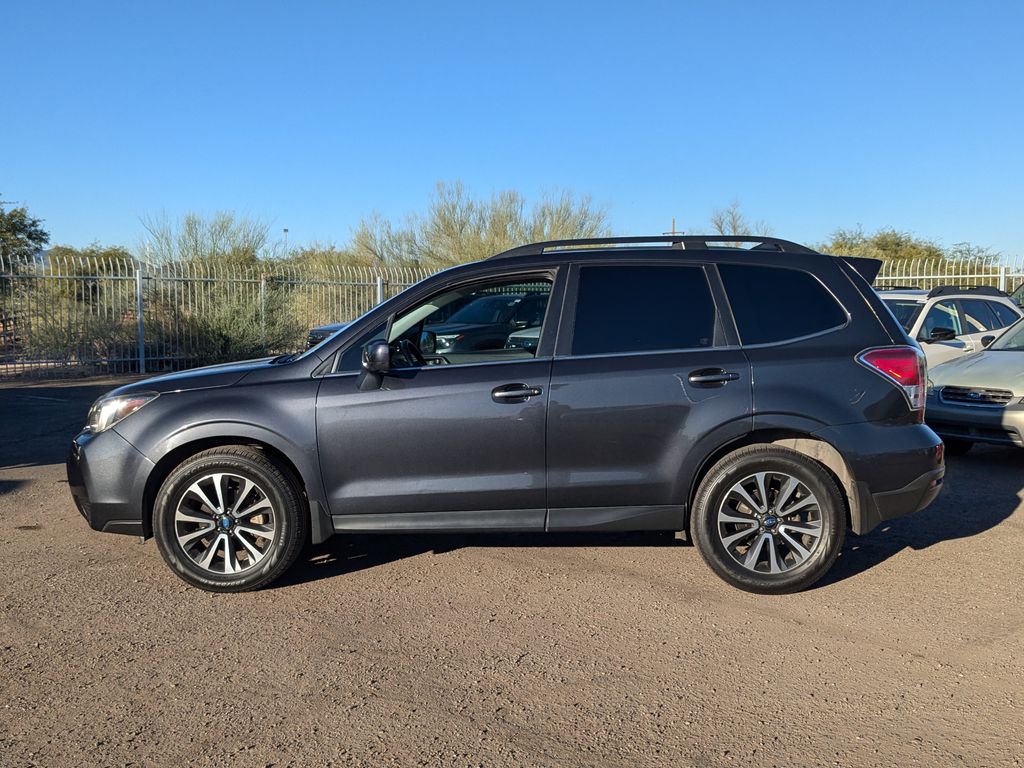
pixel 107 475
pixel 977 423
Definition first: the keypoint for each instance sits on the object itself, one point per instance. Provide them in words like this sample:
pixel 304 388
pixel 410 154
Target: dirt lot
pixel 504 650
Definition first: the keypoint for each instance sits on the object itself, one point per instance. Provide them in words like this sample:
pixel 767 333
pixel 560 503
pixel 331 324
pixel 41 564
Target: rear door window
pixel 642 308
pixel 978 315
pixel 772 304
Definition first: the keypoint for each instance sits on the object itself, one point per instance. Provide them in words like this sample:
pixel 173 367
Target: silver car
pixel 979 398
pixel 951 320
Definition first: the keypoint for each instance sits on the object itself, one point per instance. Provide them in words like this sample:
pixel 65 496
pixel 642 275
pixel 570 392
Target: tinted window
pixel 352 358
pixel 905 311
pixel 978 316
pixel 1004 314
pixel 941 315
pixel 773 304
pixel 642 308
pixel 487 309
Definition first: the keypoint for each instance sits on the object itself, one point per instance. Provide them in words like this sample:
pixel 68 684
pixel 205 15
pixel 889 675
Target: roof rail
pixel 980 290
pixel 689 242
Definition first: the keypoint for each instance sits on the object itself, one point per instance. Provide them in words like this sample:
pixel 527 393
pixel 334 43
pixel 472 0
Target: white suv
pixel 951 320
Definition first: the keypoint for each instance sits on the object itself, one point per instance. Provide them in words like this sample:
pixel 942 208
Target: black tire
pixel 957 447
pixel 287 510
pixel 737 468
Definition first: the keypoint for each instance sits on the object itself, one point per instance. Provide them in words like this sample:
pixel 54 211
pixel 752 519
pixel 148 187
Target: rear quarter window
pixel 773 304
pixel 1005 314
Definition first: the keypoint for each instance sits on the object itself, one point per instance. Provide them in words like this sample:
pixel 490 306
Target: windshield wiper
pixel 284 358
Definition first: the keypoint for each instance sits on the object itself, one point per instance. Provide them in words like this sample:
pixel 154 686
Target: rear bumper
pixel 897 469
pixel 888 505
pixel 980 424
pixel 106 476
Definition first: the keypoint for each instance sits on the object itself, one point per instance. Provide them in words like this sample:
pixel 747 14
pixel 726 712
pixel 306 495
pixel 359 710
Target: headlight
pixel 107 411
pixel 446 342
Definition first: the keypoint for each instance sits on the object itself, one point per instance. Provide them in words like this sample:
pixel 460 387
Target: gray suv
pixel 749 394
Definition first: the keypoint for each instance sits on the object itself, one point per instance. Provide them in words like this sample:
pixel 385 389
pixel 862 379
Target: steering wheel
pixel 410 352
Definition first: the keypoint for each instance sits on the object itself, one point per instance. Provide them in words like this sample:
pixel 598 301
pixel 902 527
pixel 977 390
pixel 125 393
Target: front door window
pixel 494 321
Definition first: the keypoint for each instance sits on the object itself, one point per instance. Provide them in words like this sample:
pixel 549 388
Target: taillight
pixel 903 366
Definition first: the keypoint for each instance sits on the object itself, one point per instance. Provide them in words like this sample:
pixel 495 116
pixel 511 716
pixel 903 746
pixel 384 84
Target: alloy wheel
pixel 770 522
pixel 225 523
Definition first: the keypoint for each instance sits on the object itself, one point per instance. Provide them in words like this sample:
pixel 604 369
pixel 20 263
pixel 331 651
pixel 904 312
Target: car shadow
pixel 349 553
pixel 960 511
pixel 41 419
pixel 982 489
pixel 9 486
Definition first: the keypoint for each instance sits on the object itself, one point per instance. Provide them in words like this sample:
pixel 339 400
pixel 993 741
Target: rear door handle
pixel 713 376
pixel 514 393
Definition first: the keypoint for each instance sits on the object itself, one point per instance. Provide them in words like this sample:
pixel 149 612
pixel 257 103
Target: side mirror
pixel 428 343
pixel 987 340
pixel 941 334
pixel 377 357
pixel 376 362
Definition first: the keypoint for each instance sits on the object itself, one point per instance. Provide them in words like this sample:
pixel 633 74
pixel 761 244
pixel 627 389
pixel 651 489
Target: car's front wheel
pixel 768 519
pixel 228 520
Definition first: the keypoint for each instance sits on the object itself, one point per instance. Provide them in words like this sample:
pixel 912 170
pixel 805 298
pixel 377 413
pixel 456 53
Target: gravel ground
pixel 504 650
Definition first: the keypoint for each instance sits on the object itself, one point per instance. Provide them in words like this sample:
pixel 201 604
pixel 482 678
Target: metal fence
pixel 81 316
pixel 929 273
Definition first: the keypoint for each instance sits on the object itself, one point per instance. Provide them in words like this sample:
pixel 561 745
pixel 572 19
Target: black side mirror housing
pixel 377 356
pixel 376 362
pixel 986 341
pixel 941 334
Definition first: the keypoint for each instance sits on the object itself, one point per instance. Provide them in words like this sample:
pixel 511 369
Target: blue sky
pixel 310 115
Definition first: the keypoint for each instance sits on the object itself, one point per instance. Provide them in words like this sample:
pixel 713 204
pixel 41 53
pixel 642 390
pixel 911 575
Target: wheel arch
pixel 181 450
pixel 803 443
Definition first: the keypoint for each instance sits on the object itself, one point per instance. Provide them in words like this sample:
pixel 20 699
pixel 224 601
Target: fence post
pixel 263 309
pixel 138 315
pixel 380 288
pixel 1002 278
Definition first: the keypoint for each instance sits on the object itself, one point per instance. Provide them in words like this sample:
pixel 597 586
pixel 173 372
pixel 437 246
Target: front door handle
pixel 514 393
pixel 706 376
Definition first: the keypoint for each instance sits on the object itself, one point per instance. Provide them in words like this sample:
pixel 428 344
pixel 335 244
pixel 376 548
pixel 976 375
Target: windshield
pixel 488 309
pixel 905 311
pixel 1012 339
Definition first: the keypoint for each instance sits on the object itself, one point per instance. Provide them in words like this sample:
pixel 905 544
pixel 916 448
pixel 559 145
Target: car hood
pixel 329 328
pixel 992 369
pixel 450 329
pixel 526 333
pixel 223 375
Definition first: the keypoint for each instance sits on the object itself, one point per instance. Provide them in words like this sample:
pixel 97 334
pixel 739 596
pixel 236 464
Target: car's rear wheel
pixel 957 447
pixel 768 519
pixel 229 520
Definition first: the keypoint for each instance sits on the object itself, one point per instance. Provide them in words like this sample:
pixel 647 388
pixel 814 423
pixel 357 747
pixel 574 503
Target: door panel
pixel 620 426
pixel 434 439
